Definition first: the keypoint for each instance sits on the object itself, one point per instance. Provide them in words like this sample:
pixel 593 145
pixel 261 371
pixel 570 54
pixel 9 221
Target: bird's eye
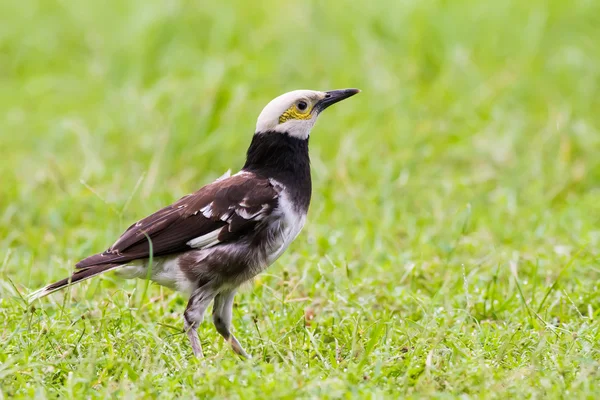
pixel 302 106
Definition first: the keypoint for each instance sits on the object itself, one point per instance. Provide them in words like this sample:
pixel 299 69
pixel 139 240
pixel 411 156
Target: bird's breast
pixel 287 223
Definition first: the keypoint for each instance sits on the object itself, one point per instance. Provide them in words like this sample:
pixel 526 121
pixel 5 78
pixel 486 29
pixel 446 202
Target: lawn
pixel 452 248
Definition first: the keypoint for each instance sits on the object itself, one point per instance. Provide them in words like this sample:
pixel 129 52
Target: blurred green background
pixel 452 243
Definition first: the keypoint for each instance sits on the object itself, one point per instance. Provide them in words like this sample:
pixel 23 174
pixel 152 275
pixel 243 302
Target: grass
pixel 452 246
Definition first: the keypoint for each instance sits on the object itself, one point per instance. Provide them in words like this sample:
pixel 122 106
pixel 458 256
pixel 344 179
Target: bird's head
pixel 295 113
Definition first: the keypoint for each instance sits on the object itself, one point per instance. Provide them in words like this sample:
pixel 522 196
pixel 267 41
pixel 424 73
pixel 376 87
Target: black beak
pixel 333 96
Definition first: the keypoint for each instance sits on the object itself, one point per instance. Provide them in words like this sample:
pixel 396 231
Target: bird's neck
pixel 284 158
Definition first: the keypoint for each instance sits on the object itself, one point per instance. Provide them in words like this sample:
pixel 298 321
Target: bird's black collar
pixel 284 158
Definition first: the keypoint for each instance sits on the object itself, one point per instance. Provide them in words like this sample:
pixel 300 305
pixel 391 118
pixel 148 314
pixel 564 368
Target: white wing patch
pixel 244 202
pixel 225 217
pixel 245 213
pixel 224 176
pixel 207 210
pixel 210 239
pixel 243 209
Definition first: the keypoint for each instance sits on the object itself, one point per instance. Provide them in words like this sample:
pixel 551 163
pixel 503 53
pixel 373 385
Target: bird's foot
pixel 237 347
pixel 195 342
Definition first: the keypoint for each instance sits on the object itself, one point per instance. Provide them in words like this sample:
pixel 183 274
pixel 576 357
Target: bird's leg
pixel 193 315
pixel 222 310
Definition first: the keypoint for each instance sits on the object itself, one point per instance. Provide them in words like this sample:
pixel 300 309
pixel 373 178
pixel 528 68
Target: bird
pixel 210 242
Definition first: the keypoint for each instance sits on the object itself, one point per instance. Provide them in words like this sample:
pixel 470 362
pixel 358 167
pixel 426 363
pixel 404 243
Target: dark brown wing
pixel 222 211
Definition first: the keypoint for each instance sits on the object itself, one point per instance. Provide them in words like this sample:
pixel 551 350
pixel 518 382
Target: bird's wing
pixel 222 211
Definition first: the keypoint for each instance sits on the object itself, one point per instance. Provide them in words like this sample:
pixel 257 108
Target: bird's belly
pixel 164 271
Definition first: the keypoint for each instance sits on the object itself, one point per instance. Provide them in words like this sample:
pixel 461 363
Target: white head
pixel 296 112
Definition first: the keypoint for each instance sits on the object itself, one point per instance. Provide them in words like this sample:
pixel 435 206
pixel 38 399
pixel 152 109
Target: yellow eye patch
pixel 294 113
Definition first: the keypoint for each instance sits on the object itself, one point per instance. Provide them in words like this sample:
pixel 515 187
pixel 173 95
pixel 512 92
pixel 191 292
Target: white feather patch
pixel 224 176
pixel 201 242
pixel 257 216
pixel 207 210
pixel 225 217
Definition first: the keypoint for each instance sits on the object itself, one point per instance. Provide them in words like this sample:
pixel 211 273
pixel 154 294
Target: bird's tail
pixel 78 276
